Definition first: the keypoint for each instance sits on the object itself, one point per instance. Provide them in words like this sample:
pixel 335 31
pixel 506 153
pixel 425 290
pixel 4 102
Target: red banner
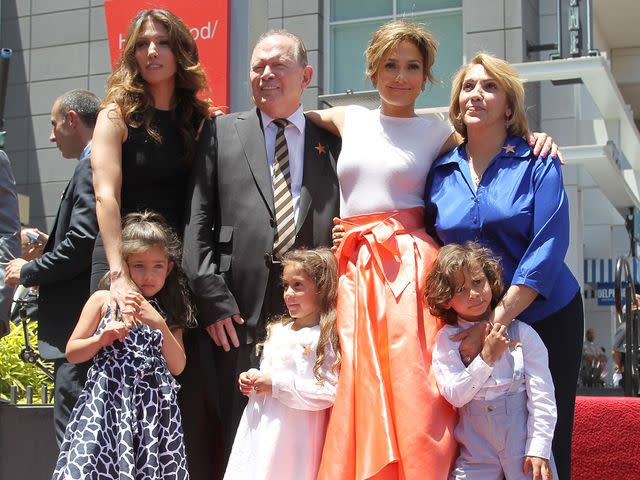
pixel 208 21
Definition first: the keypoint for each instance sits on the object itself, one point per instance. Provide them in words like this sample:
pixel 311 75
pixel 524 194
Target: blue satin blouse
pixel 520 211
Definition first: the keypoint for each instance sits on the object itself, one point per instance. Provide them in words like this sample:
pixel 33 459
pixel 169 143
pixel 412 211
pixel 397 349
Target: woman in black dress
pixel 143 146
pixel 145 137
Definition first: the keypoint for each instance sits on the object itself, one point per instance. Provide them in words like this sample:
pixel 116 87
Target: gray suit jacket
pixel 9 235
pixel 230 219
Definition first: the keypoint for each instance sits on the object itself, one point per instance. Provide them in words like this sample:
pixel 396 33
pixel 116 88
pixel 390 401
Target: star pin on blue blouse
pixel 519 211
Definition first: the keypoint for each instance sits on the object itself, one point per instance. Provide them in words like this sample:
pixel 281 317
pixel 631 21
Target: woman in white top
pixel 388 421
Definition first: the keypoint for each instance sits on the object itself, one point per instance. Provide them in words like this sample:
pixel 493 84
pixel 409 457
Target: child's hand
pixel 115 330
pixel 142 310
pixel 246 379
pixel 539 466
pixel 495 344
pixel 262 384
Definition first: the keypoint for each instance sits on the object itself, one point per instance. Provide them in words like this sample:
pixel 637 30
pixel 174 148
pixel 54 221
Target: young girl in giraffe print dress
pixel 126 423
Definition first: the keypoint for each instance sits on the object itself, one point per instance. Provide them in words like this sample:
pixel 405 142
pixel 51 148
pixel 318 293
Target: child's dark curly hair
pixel 440 283
pixel 144 230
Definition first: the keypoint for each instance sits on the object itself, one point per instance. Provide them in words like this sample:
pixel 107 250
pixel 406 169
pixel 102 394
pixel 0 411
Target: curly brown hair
pixel 129 92
pixel 441 284
pixel 322 267
pixel 144 230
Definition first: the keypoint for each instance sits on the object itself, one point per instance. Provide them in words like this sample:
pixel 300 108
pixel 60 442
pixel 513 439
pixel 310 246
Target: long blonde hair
pixel 128 90
pixel 321 266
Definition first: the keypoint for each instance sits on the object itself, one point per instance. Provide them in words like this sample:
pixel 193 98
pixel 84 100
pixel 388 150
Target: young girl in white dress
pixel 505 396
pixel 290 396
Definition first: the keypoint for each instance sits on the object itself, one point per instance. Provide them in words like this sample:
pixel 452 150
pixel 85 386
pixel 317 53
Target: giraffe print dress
pixel 126 423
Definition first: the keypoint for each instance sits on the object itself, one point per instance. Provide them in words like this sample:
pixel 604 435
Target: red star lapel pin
pixel 509 148
pixel 307 350
pixel 321 148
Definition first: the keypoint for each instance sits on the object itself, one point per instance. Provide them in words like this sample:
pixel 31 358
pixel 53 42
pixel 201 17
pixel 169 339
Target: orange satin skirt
pixel 389 420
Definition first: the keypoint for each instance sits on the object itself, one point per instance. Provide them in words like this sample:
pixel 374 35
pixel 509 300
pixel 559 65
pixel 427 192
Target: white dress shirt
pixel 478 381
pixel 294 134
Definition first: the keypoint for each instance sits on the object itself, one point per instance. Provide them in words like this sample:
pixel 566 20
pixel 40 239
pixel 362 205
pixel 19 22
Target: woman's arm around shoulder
pixel 106 162
pixel 457 383
pixel 83 344
pixel 331 119
pixel 452 142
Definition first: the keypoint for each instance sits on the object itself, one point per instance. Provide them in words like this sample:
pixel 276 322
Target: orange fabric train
pixel 389 420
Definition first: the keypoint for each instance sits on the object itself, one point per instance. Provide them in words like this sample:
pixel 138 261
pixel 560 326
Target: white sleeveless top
pixel 384 161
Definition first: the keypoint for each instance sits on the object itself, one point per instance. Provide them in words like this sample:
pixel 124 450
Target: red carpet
pixel 606 439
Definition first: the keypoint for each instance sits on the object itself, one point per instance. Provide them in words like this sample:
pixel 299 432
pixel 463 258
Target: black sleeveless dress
pixel 154 177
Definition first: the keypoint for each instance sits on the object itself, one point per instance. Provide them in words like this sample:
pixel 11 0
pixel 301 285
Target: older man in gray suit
pixel 235 234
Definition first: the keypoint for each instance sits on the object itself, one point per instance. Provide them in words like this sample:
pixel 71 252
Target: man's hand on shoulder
pixel 224 331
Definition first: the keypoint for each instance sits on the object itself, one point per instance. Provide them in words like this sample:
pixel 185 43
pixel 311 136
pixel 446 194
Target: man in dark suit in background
pixel 63 271
pixel 230 257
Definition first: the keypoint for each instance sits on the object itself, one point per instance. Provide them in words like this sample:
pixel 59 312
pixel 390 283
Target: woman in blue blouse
pixel 492 189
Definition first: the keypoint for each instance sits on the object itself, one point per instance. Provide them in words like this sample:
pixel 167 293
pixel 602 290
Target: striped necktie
pixel 282 197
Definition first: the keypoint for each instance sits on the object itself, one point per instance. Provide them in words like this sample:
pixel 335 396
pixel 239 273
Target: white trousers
pixel 492 437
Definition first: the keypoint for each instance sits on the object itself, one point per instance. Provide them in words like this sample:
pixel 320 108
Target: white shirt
pixel 478 381
pixel 294 134
pixel 384 161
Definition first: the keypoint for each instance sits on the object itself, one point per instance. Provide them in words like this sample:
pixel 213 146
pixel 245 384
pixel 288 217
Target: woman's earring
pixel 508 118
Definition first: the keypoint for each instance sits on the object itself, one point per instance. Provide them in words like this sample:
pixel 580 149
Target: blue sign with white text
pixel 605 293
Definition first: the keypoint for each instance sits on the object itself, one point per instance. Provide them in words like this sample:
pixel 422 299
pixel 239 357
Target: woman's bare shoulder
pixel 111 122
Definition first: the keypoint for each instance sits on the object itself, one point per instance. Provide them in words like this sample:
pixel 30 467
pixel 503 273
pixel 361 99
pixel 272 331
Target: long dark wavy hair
pixel 129 92
pixel 141 231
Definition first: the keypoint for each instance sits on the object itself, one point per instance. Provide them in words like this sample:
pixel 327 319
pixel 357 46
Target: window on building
pixel 353 21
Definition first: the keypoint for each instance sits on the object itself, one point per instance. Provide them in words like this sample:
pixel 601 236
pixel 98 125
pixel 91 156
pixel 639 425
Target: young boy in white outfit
pixel 505 396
